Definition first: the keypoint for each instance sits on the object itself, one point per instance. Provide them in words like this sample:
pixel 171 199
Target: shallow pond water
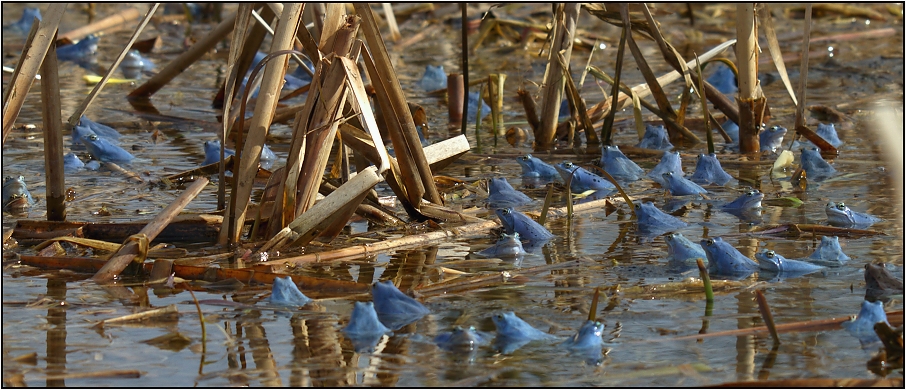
pixel 641 312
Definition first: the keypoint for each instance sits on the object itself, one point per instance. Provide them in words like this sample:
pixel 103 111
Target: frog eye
pixel 525 158
pixel 567 164
pixel 638 206
pixel 668 174
pixel 709 242
pixel 769 254
pixel 515 235
pixel 598 323
pixel 472 328
pixel 669 237
pixel 506 211
pixel 701 155
pixel 499 316
pixel 841 206
pixel 21 178
pixel 93 137
pixel 750 193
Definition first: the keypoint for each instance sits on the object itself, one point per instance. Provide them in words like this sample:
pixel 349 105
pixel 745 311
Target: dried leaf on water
pixel 787 201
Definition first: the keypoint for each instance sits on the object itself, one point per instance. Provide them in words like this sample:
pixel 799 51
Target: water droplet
pixel 602 46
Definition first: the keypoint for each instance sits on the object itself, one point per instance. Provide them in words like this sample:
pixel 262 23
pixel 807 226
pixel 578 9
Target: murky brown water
pixel 306 348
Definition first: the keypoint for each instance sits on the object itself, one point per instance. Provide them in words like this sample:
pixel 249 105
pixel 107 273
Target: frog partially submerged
pixel 23 26
pixel 534 167
pixel 827 132
pixel 652 220
pixel 814 165
pixel 682 253
pixel 708 171
pixel 732 130
pixel 840 215
pixel 16 197
pixel 723 79
pixel 863 326
pixel 670 162
pixel 747 206
pixel 771 138
pixel 529 230
pixel 655 138
pixel 774 263
pixel 88 127
pixel 212 154
pixel 474 101
pixel 103 150
pixel 286 293
pixel 880 283
pixel 502 195
pixel 680 186
pixel 462 339
pixel 581 180
pixel 434 78
pixel 725 261
pixel 394 308
pixel 72 163
pixel 513 332
pixel 829 253
pixel 133 65
pixel 587 342
pixel 507 246
pixel 364 328
pixel 618 165
pixel 83 52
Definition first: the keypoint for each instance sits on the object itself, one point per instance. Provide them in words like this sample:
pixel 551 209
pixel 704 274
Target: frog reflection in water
pixel 513 332
pixel 773 262
pixel 587 342
pixel 814 165
pixel 581 180
pixel 771 138
pixel 507 246
pixel 364 328
pixel 535 168
pixel 16 197
pixel 502 195
pixel 655 138
pixel 708 171
pixel 829 253
pixel 880 283
pixel 462 340
pixel 725 261
pixel 840 215
pixel 670 162
pixel 863 327
pixel 618 165
pixel 682 253
pixel 680 186
pixel 528 229
pixel 651 219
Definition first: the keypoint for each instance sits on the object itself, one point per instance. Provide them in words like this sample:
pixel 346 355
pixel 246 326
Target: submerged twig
pixel 766 315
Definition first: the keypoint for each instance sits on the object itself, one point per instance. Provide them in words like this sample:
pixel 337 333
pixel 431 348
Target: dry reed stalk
pixel 28 42
pixel 552 88
pixel 803 69
pixel 77 114
pixel 169 309
pixel 747 63
pixel 705 113
pixel 125 255
pixel 607 129
pixel 53 136
pixel 244 44
pixel 334 19
pixel 249 158
pixel 774 48
pixel 531 109
pixel 391 22
pixel 95 374
pixel 187 58
pixel 34 53
pixel 575 100
pixel 117 19
pixel 455 92
pixel 464 55
pixel 495 94
pixel 402 128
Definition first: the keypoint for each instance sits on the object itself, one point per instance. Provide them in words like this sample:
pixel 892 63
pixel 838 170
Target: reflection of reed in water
pixel 316 350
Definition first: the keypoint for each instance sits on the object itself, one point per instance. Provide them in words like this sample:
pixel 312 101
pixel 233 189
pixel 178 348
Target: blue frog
pixel 286 293
pixel 502 195
pixel 474 100
pixel 680 186
pixel 84 52
pixel 682 253
pixel 535 167
pixel 749 200
pixel 655 138
pixel 581 180
pixel 364 328
pixel 103 150
pixel 587 342
pixel 725 261
pixel 827 132
pixel 513 332
pixel 394 308
pixel 462 340
pixel 863 326
pixel 708 170
pixel 507 246
pixel 840 215
pixel 814 165
pixel 530 231
pixel 72 163
pixel 723 79
pixel 829 253
pixel 15 194
pixel 670 162
pixel 732 130
pixel 618 165
pixel 773 262
pixel 23 26
pixel 771 138
pixel 133 65
pixel 434 78
pixel 652 220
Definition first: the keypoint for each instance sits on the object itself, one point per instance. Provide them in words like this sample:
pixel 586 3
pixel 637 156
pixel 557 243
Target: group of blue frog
pixel 390 310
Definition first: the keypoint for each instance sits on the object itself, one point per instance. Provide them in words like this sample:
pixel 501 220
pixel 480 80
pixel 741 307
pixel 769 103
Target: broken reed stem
pixel 606 129
pixel 119 18
pixel 465 66
pixel 766 315
pixel 747 63
pixel 803 69
pixel 169 309
pixel 552 88
pixel 53 136
pixel 455 92
pixel 704 101
pixel 391 22
pixel 128 251
pixel 204 333
pixel 706 280
pixel 547 204
pixel 531 109
pixel 34 54
pixel 593 310
pixel 77 114
pixel 610 178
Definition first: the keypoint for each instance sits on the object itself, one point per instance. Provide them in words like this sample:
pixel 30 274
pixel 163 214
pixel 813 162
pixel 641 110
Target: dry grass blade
pixel 169 309
pixel 615 18
pixel 704 101
pixel 768 22
pixel 619 188
pixel 77 114
pixel 575 100
pixel 34 54
pixel 803 69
